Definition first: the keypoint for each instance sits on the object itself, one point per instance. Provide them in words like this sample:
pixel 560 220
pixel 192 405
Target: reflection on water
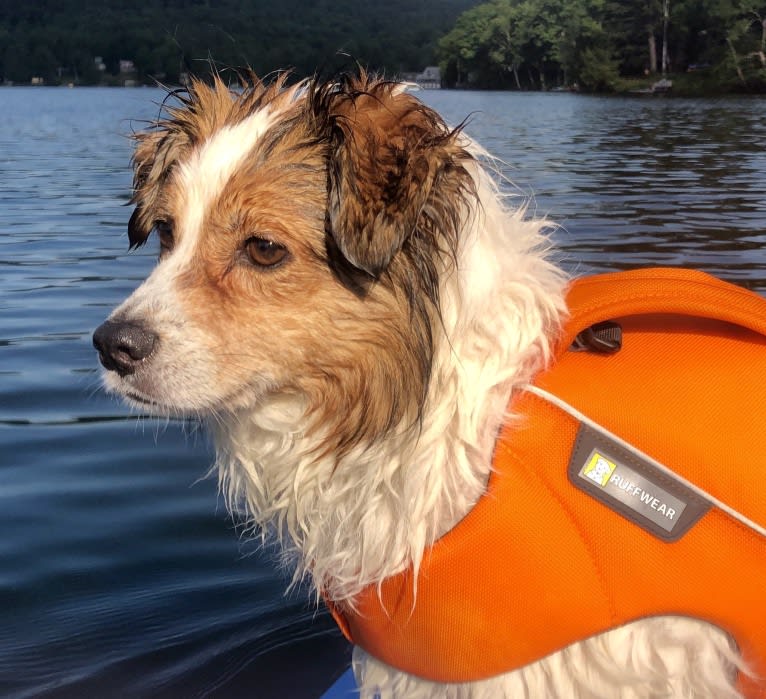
pixel 119 573
pixel 636 181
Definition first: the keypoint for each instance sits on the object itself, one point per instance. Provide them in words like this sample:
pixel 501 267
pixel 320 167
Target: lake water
pixel 120 573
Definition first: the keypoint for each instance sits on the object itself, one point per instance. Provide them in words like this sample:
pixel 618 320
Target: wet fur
pixel 354 392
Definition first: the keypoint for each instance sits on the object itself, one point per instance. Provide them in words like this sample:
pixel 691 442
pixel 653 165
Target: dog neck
pixel 346 523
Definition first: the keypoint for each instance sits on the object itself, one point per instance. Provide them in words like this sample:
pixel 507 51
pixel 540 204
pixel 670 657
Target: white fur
pixel 664 657
pixel 203 177
pixel 188 370
pixel 351 523
pixel 382 507
pixel 356 522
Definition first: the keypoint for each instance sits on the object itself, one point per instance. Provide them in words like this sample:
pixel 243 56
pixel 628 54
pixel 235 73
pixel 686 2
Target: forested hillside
pixel 515 44
pixel 59 40
pixel 539 44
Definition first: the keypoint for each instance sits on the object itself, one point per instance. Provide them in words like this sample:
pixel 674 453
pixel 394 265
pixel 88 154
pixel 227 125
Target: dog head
pixel 304 233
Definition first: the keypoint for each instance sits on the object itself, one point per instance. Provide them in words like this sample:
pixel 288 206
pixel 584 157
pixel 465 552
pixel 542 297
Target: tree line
pixel 598 44
pixel 513 44
pixel 84 41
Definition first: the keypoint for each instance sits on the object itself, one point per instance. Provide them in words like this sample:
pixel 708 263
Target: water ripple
pixel 119 573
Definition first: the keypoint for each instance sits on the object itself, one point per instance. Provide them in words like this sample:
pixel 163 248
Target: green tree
pixel 540 43
pixel 530 43
pixel 465 51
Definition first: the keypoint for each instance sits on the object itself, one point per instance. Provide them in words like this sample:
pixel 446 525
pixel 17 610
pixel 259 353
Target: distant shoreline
pixel 690 84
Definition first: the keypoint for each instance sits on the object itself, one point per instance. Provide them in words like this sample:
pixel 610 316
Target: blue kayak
pixel 343 688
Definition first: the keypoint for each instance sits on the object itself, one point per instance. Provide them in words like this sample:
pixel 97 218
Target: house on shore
pixel 429 79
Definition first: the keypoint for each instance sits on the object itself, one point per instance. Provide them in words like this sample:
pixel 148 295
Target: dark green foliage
pixel 58 40
pixel 596 44
pixel 518 44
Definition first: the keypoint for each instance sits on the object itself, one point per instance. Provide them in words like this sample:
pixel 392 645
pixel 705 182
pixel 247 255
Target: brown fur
pixel 388 153
pixel 363 186
pixel 203 111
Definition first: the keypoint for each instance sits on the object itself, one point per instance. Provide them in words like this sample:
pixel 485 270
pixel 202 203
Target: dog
pixel 348 302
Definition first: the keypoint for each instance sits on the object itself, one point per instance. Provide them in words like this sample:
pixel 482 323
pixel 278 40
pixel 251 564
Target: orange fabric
pixel 538 564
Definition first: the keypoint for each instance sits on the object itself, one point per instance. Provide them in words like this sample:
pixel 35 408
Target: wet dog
pixel 347 301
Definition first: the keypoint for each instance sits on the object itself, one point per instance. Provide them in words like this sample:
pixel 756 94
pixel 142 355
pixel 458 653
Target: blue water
pixel 120 573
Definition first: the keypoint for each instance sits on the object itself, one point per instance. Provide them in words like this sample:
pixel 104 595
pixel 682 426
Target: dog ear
pixel 386 152
pixel 155 155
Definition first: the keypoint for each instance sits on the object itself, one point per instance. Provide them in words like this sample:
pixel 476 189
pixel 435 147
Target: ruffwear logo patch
pixel 641 495
pixel 599 469
pixel 633 487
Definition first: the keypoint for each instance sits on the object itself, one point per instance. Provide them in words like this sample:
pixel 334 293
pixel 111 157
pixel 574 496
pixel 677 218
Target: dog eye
pixel 165 234
pixel 264 252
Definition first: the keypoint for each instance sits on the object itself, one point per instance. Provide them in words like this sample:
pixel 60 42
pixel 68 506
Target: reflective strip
pixel 570 410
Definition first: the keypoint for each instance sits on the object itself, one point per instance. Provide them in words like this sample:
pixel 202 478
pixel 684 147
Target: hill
pixel 111 41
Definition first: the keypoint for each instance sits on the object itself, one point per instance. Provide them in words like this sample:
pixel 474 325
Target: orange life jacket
pixel 584 527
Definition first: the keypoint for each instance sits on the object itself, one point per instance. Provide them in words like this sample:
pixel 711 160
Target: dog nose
pixel 123 346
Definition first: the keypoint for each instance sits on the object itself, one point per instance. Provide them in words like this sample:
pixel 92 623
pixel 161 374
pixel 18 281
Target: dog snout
pixel 122 346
